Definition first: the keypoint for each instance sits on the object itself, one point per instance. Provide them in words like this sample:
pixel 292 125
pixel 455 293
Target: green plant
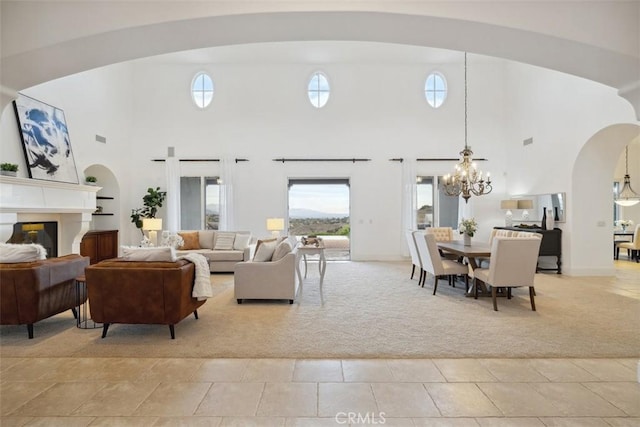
pixel 11 167
pixel 91 179
pixel 151 201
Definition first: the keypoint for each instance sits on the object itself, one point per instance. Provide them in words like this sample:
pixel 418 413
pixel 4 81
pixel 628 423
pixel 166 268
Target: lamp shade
pixel 32 227
pixel 275 224
pixel 152 224
pixel 525 204
pixel 508 204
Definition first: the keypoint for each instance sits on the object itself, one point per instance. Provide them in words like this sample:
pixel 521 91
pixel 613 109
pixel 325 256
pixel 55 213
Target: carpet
pixel 372 310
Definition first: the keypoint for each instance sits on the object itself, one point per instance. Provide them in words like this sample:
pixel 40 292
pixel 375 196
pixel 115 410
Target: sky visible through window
pixel 325 198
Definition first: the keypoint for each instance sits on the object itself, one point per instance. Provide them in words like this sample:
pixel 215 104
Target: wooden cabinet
pixel 99 245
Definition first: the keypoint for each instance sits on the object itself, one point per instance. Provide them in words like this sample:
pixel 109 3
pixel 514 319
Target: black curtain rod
pixel 321 160
pixel 199 160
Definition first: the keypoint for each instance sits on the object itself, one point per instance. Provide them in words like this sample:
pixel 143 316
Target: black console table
pixel 551 244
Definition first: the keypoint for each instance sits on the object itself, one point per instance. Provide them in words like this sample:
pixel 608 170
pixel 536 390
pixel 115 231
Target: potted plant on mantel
pixel 91 180
pixel 8 169
pixel 152 201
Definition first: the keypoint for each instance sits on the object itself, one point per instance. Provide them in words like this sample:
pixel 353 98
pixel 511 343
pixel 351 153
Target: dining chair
pixel 413 250
pixel 443 234
pixel 633 247
pixel 513 264
pixel 434 264
pixel 496 232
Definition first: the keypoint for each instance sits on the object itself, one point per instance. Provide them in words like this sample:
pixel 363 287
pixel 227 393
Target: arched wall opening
pixel 108 200
pixel 590 224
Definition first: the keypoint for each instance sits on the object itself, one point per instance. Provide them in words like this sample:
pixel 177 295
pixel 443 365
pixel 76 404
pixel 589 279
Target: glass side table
pixel 83 320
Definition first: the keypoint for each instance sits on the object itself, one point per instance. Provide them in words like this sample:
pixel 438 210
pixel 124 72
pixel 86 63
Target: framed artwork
pixel 45 140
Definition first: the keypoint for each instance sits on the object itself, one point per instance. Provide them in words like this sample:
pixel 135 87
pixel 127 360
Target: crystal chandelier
pixel 466 179
pixel 627 197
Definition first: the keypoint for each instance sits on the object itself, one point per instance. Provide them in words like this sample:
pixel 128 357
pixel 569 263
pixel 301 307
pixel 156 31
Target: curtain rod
pixel 321 160
pixel 451 159
pixel 199 160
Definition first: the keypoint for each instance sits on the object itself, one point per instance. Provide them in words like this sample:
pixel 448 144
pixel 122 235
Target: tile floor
pixel 302 392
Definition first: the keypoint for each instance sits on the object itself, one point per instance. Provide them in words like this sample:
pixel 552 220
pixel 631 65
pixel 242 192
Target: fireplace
pixel 43 233
pixel 33 201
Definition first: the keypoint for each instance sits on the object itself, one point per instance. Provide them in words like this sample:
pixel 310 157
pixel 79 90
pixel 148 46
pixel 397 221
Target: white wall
pixel 376 111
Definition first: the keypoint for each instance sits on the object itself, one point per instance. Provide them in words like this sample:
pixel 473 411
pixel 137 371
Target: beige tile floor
pixel 295 392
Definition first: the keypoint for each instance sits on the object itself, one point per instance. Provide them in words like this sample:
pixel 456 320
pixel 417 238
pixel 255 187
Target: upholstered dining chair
pixel 413 250
pixel 434 264
pixel 633 247
pixel 442 234
pixel 513 264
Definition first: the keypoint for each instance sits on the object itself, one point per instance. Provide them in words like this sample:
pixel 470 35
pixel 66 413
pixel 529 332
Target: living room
pixel 377 111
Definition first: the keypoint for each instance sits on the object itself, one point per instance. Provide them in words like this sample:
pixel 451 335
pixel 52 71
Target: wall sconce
pixel 525 204
pixel 508 205
pixel 275 226
pixel 152 225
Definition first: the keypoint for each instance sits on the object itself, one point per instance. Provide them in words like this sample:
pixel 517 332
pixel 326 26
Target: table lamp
pixel 152 225
pixel 32 231
pixel 508 205
pixel 275 226
pixel 525 204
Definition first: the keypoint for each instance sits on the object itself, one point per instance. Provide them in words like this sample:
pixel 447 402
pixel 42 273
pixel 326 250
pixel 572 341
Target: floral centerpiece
pixel 468 228
pixel 624 223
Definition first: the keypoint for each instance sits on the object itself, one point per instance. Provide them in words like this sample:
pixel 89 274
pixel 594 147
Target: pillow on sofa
pixel 224 241
pixel 148 254
pixel 264 250
pixel 241 241
pixel 190 241
pixel 13 252
pixel 282 249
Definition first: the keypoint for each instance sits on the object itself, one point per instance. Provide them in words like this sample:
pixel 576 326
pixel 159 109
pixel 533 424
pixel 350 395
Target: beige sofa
pixel 220 260
pixel 275 279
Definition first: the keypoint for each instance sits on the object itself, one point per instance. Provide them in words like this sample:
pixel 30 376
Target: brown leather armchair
pixel 137 292
pixel 32 291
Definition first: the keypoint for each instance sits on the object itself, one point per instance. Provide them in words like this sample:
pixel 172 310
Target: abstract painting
pixel 45 140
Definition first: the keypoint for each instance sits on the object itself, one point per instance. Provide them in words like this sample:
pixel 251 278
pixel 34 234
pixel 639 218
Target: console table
pixel 551 244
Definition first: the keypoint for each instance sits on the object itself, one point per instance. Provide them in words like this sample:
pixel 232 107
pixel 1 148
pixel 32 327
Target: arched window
pixel 202 90
pixel 318 90
pixel 435 89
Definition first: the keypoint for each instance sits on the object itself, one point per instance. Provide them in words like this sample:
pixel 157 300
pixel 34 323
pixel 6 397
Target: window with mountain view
pixel 199 203
pixel 321 207
pixel 434 207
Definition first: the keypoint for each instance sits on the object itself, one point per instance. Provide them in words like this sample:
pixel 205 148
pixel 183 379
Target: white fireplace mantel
pixel 24 199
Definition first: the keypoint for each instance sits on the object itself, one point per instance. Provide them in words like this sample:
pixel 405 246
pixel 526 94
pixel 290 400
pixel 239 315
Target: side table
pixel 82 302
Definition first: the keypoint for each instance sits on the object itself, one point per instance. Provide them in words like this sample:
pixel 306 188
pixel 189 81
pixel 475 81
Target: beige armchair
pixel 633 247
pixel 513 264
pixel 434 264
pixel 267 280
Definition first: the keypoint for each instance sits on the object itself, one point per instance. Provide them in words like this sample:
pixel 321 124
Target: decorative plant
pixel 91 179
pixel 9 167
pixel 151 201
pixel 468 227
pixel 624 223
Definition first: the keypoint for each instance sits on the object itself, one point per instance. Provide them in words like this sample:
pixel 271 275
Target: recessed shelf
pixel 101 214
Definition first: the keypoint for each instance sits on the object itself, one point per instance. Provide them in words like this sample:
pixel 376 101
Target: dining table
pixel 472 253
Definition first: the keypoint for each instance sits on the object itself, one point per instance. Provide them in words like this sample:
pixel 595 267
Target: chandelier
pixel 466 179
pixel 627 197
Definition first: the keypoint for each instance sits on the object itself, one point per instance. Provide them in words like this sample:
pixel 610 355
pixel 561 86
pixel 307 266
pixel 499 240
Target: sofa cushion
pixel 281 250
pixel 219 255
pixel 264 250
pixel 191 241
pixel 241 241
pixel 206 238
pixel 148 254
pixel 224 241
pixel 12 253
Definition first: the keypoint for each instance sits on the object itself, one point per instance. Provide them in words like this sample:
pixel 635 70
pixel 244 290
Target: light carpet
pixel 372 310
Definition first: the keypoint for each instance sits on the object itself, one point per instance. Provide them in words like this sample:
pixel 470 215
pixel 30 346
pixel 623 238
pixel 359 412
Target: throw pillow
pixel 224 241
pixel 264 250
pixel 282 249
pixel 15 252
pixel 148 254
pixel 190 241
pixel 241 241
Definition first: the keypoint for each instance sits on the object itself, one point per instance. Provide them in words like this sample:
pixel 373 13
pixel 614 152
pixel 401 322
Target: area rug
pixel 371 310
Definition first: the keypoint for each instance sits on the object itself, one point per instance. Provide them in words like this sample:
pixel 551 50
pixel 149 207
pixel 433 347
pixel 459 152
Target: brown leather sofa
pixel 135 292
pixel 32 291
